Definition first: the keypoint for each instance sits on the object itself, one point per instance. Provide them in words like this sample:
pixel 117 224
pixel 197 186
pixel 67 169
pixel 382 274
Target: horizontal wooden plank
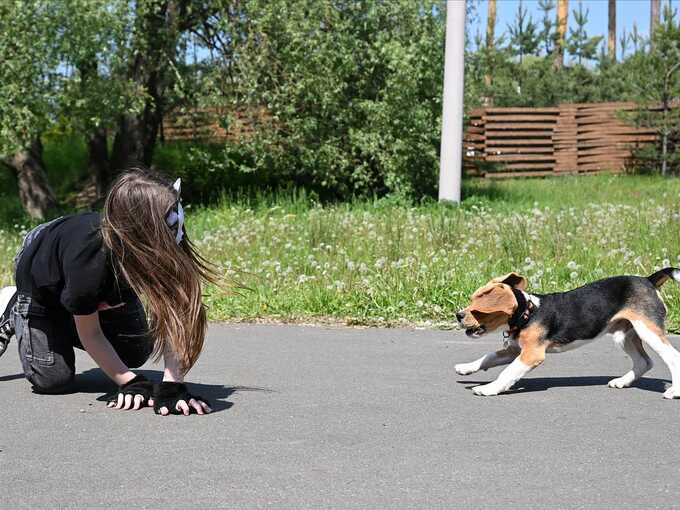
pixel 585 137
pixel 512 110
pixel 519 118
pixel 614 129
pixel 597 167
pixel 493 133
pixel 521 150
pixel 523 125
pixel 589 151
pixel 503 142
pixel 520 157
pixel 586 106
pixel 529 166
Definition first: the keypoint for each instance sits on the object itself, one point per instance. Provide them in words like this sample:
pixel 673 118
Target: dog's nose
pixel 460 316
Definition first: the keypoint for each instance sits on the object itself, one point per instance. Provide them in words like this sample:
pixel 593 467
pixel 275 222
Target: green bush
pixel 65 158
pixel 209 171
pixel 352 92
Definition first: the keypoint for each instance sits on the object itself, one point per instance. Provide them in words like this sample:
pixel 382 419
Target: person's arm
pixel 172 391
pixel 173 371
pixel 134 391
pixel 102 352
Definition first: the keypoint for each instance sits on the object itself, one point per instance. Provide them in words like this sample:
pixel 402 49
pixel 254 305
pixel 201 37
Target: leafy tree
pixel 29 83
pixel 623 43
pixel 523 36
pixel 637 39
pixel 350 91
pixel 547 33
pixel 656 81
pixel 579 44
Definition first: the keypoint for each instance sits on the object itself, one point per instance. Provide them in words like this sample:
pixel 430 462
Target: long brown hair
pixel 166 275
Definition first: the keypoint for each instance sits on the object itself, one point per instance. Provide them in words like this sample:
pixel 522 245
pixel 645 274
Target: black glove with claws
pixel 139 385
pixel 168 394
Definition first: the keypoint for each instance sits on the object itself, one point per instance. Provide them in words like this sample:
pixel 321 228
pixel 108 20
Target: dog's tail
pixel 663 275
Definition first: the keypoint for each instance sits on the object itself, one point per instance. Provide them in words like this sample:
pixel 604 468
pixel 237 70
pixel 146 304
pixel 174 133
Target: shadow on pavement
pixel 11 377
pixel 95 381
pixel 545 383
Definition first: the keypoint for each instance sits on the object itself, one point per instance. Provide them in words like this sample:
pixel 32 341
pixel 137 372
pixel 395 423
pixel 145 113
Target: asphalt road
pixel 313 418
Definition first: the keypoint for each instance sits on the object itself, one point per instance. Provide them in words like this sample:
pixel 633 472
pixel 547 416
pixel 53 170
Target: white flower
pixel 572 265
pixel 573 275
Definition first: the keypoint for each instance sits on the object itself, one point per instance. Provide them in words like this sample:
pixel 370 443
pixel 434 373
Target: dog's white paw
pixel 466 368
pixel 672 392
pixel 622 382
pixel 486 390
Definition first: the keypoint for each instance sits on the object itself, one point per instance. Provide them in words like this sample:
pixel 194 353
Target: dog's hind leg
pixel 655 338
pixel 493 359
pixel 630 342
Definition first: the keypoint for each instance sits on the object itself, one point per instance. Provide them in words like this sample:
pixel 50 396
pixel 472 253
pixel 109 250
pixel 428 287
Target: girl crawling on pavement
pixel 79 280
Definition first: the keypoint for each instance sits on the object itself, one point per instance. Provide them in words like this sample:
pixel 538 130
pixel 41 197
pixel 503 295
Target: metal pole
pixel 452 116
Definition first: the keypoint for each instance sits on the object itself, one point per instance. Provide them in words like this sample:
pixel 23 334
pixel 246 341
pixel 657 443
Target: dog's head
pixel 491 306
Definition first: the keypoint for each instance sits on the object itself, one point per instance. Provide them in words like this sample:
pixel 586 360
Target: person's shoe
pixel 7 300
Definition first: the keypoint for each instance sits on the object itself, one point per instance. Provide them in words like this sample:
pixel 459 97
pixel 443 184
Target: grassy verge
pixel 386 262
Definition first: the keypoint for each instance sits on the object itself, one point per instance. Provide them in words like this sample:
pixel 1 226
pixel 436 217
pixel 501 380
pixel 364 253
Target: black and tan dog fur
pixel 627 308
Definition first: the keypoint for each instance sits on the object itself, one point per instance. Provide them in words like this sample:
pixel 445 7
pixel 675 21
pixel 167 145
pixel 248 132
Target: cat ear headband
pixel 175 218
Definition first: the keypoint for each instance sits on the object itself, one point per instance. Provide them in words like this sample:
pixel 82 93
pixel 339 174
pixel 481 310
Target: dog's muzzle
pixel 475 332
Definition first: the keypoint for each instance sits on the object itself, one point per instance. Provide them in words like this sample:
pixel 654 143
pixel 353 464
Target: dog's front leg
pixel 530 357
pixel 493 359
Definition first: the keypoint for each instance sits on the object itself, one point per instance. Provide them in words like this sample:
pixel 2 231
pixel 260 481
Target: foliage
pixel 28 74
pixel 579 44
pixel 523 38
pixel 352 91
pixel 210 171
pixel 655 82
pixel 393 261
pixel 547 34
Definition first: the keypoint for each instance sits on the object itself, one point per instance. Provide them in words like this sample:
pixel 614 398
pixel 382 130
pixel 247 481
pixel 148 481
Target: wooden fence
pixel 211 124
pixel 570 138
pixel 498 142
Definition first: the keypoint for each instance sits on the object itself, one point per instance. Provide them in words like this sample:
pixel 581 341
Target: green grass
pixel 389 262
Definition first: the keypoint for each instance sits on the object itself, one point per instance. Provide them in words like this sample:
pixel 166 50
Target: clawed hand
pixel 166 398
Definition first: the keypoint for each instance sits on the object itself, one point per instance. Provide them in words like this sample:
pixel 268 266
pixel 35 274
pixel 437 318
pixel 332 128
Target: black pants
pixel 47 338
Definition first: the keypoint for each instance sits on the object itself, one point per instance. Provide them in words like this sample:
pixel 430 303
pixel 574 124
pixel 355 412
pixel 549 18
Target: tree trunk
pixel 654 16
pixel 35 193
pixel 611 42
pixel 98 160
pixel 490 37
pixel 127 145
pixel 97 145
pixel 159 32
pixel 560 32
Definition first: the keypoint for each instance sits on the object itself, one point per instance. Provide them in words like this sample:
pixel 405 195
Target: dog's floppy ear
pixel 493 298
pixel 512 279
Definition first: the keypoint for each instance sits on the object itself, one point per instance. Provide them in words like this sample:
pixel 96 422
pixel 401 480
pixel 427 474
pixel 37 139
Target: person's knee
pixel 135 355
pixel 51 383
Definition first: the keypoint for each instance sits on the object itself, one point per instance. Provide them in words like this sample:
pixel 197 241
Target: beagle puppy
pixel 628 309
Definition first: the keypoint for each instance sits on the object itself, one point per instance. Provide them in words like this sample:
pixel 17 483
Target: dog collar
pixel 522 315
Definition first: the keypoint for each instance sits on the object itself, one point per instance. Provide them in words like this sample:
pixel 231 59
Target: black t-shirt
pixel 68 265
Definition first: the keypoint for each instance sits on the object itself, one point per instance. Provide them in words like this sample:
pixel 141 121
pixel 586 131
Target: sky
pixel 627 12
